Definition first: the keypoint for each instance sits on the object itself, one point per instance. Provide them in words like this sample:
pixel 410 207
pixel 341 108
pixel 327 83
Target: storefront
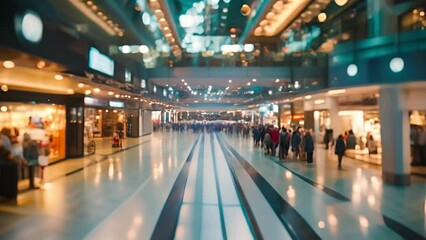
pixel 418 137
pixel 285 115
pixel 41 121
pixel 57 119
pixel 269 114
pixel 366 127
pixel 103 118
pixel 298 114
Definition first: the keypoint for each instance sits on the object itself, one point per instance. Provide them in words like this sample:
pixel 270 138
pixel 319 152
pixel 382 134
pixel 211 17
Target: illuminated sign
pixel 143 83
pixel 263 109
pixel 116 104
pixel 127 76
pixel 275 108
pixel 101 62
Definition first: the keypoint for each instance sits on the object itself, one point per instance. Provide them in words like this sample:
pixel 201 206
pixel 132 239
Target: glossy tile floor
pixel 213 186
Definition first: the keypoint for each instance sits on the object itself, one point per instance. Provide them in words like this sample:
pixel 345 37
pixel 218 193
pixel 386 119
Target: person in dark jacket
pixel 31 150
pixel 340 149
pixel 351 140
pixel 309 147
pixel 295 142
pixel 283 144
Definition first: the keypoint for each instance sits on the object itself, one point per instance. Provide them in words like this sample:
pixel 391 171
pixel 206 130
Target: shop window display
pixel 366 128
pixel 44 122
pixel 418 137
pixel 90 123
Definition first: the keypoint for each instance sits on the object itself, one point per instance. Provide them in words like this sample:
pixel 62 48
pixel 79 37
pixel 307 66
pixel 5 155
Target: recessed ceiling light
pixel 96 90
pixel 277 80
pixel 183 80
pixel 41 64
pixel 58 77
pixel 337 91
pixel 110 93
pixel 80 85
pixel 254 80
pixel 8 64
pixel 88 92
pixel 229 80
pixel 249 83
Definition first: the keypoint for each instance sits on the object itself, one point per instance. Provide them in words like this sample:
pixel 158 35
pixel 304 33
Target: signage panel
pixel 100 62
pixel 116 104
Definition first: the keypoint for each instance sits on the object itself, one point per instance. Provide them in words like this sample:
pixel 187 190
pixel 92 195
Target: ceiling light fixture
pixel 41 64
pixel 340 2
pixel 59 77
pixel 245 10
pixel 337 91
pixel 322 17
pixel 8 64
pixel 90 10
pixel 4 88
pixel 319 101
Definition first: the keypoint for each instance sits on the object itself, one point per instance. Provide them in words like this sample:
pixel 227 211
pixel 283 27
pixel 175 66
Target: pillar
pixel 335 120
pixel 395 136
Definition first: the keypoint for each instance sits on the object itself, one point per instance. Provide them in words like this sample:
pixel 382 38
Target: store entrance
pixel 418 137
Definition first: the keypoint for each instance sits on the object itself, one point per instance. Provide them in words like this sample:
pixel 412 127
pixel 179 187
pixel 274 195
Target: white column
pixel 395 135
pixel 316 127
pixel 335 119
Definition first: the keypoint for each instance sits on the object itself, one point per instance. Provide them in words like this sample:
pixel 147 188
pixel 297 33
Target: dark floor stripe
pixel 74 171
pixel 295 224
pixel 323 188
pixel 402 230
pixel 219 195
pixel 167 222
pixel 254 227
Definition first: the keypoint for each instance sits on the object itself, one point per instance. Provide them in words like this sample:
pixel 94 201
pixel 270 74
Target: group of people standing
pixel 24 153
pixel 299 141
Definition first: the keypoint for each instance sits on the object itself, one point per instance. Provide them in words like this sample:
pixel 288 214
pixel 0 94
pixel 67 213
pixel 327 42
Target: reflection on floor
pixel 121 195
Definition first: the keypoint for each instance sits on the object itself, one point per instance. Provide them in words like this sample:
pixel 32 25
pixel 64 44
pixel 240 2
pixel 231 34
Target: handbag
pixel 43 160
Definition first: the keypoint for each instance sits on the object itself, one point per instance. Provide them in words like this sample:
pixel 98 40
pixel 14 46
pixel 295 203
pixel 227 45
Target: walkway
pixel 214 186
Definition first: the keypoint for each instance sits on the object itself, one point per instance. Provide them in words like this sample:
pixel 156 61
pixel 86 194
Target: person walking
pixel 302 152
pixel 31 150
pixel 340 150
pixel 371 144
pixel 326 138
pixel 309 147
pixel 275 135
pixel 295 142
pixel 351 140
pixel 283 144
pixel 267 143
pixel 288 141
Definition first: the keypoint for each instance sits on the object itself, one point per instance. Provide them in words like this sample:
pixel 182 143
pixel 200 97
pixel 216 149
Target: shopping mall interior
pixel 213 119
